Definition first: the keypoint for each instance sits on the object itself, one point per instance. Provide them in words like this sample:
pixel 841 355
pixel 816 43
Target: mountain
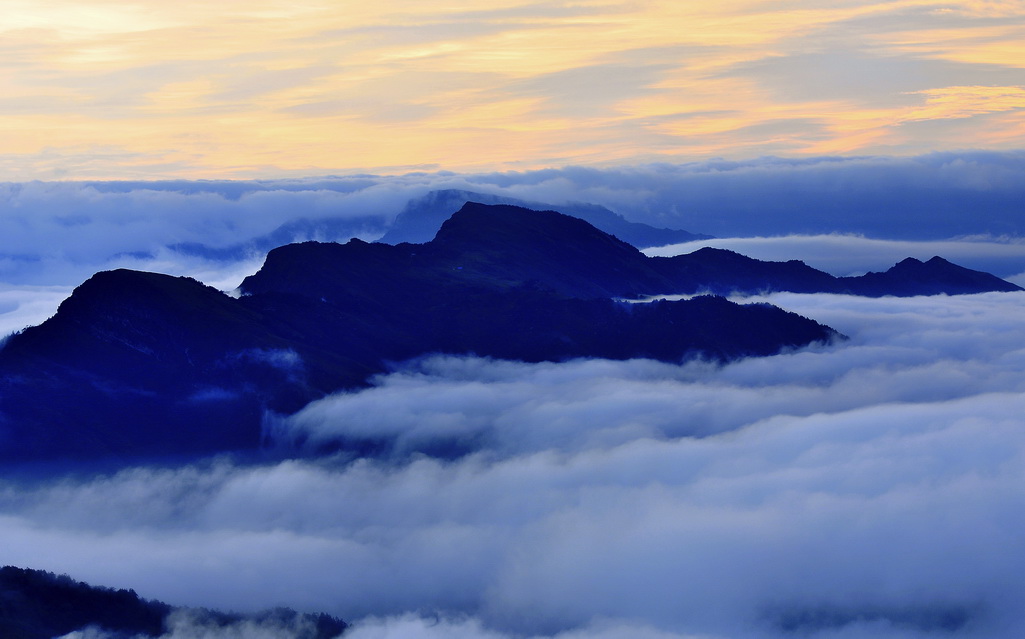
pixel 566 255
pixel 40 605
pixel 725 272
pixel 933 277
pixel 421 218
pixel 142 364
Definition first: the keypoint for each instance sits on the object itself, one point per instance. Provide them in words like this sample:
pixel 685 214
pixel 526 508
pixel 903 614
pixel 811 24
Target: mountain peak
pixel 936 276
pixel 423 216
pixel 498 224
pixel 562 253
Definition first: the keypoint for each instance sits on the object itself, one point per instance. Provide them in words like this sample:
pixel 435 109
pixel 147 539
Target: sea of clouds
pixel 869 488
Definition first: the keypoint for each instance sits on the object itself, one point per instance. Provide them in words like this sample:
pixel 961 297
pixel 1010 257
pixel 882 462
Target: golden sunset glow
pixel 115 89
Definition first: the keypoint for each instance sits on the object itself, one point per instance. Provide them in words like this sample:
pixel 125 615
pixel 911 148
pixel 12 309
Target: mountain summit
pixel 422 217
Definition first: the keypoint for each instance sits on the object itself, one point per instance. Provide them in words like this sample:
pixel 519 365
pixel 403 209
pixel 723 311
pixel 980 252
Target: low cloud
pixel 198 624
pixel 871 488
pixel 22 306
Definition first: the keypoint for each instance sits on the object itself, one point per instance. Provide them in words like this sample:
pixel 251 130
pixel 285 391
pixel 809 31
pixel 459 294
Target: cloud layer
pixel 866 489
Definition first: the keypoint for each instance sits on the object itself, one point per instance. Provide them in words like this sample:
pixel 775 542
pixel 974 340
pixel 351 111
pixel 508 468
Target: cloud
pixel 589 91
pixel 520 85
pixel 24 306
pixel 197 624
pixel 420 627
pixel 871 488
pixel 873 79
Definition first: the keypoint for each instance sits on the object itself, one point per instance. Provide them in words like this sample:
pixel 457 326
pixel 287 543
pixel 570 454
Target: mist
pixel 866 488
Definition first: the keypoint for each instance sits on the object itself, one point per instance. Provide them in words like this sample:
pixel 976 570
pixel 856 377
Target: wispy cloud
pixel 179 91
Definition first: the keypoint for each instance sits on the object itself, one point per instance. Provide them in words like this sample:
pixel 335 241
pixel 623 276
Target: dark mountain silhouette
pixel 933 277
pixel 422 217
pixel 724 272
pixel 141 364
pixel 40 605
pixel 512 246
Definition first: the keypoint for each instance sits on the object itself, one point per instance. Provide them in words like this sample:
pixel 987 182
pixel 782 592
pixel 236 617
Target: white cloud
pixel 872 488
pixel 196 624
pixel 22 306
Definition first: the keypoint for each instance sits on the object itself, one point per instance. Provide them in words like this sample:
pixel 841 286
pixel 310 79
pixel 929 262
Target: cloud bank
pixel 871 488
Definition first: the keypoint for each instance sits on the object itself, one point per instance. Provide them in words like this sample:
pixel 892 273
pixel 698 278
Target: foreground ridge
pixel 40 605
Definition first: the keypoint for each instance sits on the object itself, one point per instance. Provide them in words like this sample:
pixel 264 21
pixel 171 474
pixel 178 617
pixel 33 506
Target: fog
pixel 867 488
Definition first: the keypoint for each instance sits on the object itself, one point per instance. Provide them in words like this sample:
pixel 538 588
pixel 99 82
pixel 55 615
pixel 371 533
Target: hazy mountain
pixel 422 217
pixel 40 605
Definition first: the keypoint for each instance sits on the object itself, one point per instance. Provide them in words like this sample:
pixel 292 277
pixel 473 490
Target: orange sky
pixel 267 88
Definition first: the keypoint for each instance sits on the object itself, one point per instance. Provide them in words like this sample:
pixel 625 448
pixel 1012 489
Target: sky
pixel 112 89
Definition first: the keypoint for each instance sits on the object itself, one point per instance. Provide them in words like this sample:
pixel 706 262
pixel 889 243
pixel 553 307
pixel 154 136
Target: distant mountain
pixel 140 364
pixel 40 605
pixel 725 272
pixel 933 277
pixel 423 216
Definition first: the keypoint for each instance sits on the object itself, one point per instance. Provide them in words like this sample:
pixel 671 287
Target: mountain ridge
pixel 136 364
